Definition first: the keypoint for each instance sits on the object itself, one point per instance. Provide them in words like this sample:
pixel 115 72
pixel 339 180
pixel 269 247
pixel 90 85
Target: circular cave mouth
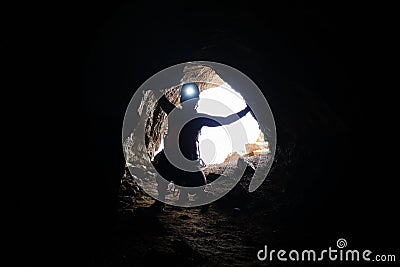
pixel 141 148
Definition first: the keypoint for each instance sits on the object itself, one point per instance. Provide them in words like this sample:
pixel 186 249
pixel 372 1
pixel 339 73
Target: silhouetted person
pixel 180 160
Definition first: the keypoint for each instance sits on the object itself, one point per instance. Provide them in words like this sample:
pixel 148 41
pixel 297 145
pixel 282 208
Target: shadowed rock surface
pixel 228 233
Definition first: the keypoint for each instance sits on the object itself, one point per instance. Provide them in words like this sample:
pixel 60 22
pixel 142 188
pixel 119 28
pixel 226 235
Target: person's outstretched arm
pixel 215 121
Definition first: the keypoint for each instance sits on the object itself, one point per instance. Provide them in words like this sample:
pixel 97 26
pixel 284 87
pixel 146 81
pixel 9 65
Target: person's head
pixel 190 93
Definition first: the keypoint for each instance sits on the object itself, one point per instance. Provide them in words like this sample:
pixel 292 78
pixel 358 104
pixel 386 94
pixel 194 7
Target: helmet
pixel 189 91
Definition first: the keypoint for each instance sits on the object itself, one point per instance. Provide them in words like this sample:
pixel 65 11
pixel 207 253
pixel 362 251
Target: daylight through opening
pixel 215 143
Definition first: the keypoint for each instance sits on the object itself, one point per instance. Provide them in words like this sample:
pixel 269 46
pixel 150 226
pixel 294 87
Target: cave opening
pixel 215 143
pixel 242 150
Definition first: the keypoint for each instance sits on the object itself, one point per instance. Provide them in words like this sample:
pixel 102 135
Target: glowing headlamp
pixel 189 91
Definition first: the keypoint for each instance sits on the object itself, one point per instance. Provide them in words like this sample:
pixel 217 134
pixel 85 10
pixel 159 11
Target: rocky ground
pixel 229 233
